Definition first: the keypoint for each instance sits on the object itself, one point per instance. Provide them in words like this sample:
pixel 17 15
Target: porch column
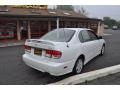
pixel 57 22
pixel 49 25
pixel 29 30
pixel 18 31
pixel 100 29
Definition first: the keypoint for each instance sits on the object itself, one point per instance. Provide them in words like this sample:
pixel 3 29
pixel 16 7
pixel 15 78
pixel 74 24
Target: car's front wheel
pixel 78 66
pixel 102 50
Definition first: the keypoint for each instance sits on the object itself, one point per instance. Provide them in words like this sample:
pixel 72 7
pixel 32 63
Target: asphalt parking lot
pixel 14 71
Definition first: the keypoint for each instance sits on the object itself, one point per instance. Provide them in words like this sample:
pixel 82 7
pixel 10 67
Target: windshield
pixel 59 35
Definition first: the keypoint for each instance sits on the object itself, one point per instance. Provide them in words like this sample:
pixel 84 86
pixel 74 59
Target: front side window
pixel 92 35
pixel 59 35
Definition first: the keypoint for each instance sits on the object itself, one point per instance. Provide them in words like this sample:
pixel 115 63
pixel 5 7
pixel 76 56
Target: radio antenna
pixel 65 38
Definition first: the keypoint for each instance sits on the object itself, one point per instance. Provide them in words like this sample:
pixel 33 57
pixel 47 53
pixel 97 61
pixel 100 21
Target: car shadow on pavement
pixel 90 63
pixel 49 78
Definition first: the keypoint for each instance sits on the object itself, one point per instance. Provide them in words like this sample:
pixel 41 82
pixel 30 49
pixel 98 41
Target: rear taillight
pixel 53 54
pixel 27 48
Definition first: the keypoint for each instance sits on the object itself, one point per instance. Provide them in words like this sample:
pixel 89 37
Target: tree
pixel 81 10
pixel 110 22
pixel 118 24
pixel 65 7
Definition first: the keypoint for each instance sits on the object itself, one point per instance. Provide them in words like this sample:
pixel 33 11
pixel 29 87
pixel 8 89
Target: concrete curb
pixel 77 79
pixel 105 34
pixel 12 44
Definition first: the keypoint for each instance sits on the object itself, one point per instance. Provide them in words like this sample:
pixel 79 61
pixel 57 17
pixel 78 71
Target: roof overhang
pixel 39 17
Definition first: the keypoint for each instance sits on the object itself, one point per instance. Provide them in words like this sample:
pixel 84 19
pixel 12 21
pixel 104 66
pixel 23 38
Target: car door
pixel 87 45
pixel 95 42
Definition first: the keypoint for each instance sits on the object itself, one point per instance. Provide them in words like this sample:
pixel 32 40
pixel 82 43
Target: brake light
pixel 27 48
pixel 53 54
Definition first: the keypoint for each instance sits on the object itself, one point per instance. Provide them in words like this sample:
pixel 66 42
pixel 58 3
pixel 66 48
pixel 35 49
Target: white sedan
pixel 63 50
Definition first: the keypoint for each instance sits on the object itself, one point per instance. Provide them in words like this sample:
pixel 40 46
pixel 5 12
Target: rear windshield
pixel 59 35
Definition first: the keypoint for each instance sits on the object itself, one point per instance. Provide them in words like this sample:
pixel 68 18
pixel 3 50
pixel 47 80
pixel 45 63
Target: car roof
pixel 76 29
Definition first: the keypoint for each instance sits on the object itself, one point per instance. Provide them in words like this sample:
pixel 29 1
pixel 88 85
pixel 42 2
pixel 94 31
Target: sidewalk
pixel 113 79
pixel 11 43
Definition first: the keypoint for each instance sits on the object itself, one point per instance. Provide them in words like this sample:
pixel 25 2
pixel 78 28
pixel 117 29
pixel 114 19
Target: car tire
pixel 102 50
pixel 78 66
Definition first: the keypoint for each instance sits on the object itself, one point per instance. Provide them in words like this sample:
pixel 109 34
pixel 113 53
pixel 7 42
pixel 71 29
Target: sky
pixel 100 11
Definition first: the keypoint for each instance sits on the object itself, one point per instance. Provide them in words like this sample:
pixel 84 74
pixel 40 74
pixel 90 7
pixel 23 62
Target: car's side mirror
pixel 100 37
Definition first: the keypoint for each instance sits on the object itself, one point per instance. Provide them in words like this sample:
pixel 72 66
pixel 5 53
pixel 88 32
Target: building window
pixel 8 29
pixel 38 28
pixel 62 24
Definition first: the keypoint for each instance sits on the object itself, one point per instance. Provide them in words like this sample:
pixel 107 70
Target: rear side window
pixel 80 37
pixel 85 36
pixel 59 35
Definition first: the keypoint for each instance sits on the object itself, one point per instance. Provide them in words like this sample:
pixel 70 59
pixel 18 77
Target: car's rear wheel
pixel 102 50
pixel 78 66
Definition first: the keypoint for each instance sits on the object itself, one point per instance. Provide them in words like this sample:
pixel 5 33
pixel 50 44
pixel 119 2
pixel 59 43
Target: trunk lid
pixel 37 43
pixel 43 48
pixel 45 44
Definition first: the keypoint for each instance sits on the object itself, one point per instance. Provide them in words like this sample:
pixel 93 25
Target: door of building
pixel 23 29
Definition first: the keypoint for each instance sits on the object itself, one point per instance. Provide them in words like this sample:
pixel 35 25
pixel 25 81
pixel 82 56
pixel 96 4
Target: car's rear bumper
pixel 52 68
